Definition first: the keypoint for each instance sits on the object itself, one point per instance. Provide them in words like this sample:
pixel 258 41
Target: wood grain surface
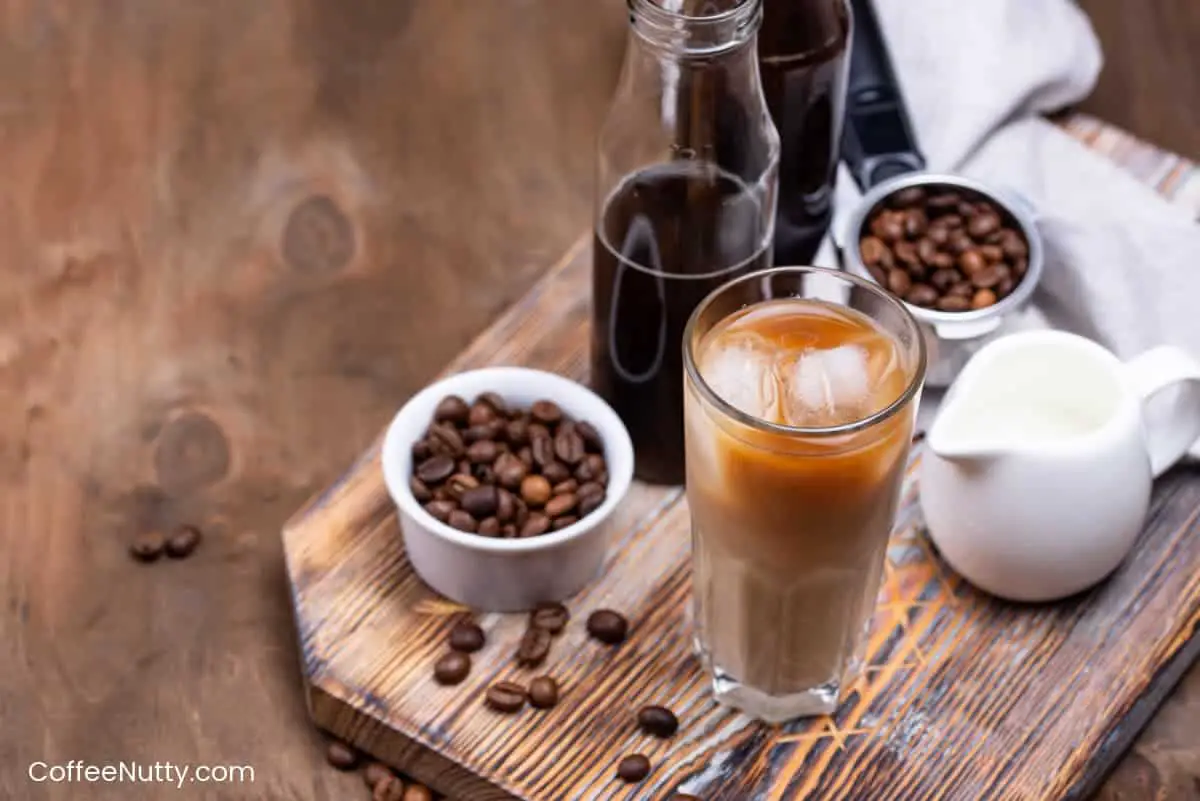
pixel 963 698
pixel 163 359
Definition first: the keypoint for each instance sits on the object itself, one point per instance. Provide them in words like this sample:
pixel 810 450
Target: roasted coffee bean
pixel 568 445
pixel 917 271
pixel 481 414
pixel 147 547
pixel 1004 287
pixel 481 502
pixel 983 224
pixel 441 509
pixel 543 450
pixel 965 210
pixel 960 243
pixel 517 432
pixel 463 521
pixel 590 503
pixel 944 279
pixel 1013 244
pixel 522 513
pixel 489 527
pixel 888 227
pixel 871 249
pixel 508 531
pixel 484 451
pixel 418 792
pixel 419 490
pixel 451 409
pixel 989 276
pixel 464 467
pixel 560 505
pixel 537 525
pixel 341 756
pixel 953 303
pixel 927 251
pixel 538 430
pixel 633 768
pixel 505 696
pixel 460 483
pixel 525 454
pixel 551 616
pixel 910 196
pixel 421 451
pixel 898 282
pixel 498 404
pixel 591 467
pixel 921 295
pixel 466 636
pixel 1019 267
pixel 569 485
pixel 962 289
pixel 658 721
pixel 535 490
pixel 374 773
pixel 477 434
pixel 183 542
pixel 943 201
pixel 939 235
pixel 546 412
pixel 953 221
pixel 506 507
pixel 451 668
pixel 510 471
pixel 916 223
pixel 435 469
pixel 534 647
pixel 591 437
pixel 543 692
pixel 389 789
pixel 589 489
pixel 992 253
pixel 607 626
pixel 484 474
pixel 556 472
pixel 983 298
pixel 565 521
pixel 971 262
pixel 943 261
pixel 444 438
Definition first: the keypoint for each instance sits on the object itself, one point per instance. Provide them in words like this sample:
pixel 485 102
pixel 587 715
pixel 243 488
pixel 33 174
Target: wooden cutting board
pixel 965 697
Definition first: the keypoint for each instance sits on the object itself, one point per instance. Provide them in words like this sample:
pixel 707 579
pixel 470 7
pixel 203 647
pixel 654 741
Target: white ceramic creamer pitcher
pixel 1036 476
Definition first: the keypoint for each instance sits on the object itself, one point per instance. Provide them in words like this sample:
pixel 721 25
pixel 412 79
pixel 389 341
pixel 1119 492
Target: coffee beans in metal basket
pixel 944 247
pixel 489 469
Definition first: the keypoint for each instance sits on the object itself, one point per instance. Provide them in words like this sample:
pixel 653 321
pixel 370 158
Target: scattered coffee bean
pixel 658 721
pixel 374 773
pixel 435 469
pixel 418 792
pixel 534 647
pixel 536 525
pixel 451 668
pixel 505 696
pixel 147 547
pixel 481 502
pixel 546 412
pixel 488 527
pixel 440 509
pixel 183 542
pixel 543 692
pixel 607 626
pixel 462 521
pixel 451 409
pixel 552 617
pixel 340 755
pixel 943 243
pixel 466 636
pixel 633 768
pixel 388 789
pixel 535 490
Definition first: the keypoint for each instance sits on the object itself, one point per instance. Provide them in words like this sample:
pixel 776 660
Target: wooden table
pixel 233 238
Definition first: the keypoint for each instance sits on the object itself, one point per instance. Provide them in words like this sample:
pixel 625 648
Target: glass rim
pixel 749 420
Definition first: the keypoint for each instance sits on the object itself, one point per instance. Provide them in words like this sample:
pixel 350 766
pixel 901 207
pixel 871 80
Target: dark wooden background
pixel 233 238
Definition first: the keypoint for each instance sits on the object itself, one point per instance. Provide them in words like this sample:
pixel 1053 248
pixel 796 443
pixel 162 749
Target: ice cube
pixel 740 370
pixel 826 387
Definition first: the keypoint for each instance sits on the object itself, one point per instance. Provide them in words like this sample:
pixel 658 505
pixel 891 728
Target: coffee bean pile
pixel 486 469
pixel 149 546
pixel 379 778
pixel 507 696
pixel 944 248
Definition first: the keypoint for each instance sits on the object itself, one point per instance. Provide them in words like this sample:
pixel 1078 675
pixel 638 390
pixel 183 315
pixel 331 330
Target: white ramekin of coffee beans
pixel 962 256
pixel 505 479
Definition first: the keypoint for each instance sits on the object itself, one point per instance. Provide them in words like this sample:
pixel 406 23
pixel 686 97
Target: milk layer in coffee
pixel 792 497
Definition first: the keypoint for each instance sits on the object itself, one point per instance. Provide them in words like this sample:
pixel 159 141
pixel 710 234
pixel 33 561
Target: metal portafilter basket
pixel 881 150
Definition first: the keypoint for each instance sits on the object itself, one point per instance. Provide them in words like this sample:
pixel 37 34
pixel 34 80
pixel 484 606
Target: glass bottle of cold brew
pixel 803 51
pixel 686 186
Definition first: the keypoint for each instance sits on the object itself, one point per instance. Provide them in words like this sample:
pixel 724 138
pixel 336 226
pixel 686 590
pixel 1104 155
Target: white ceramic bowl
pixel 505 575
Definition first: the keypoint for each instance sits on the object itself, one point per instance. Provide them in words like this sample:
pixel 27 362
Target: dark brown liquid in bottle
pixel 802 50
pixel 667 236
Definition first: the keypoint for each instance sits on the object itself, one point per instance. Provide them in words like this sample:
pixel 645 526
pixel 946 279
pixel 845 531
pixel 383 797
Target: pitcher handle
pixel 1150 373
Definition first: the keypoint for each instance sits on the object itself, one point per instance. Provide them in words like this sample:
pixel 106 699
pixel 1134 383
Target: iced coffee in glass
pixel 801 391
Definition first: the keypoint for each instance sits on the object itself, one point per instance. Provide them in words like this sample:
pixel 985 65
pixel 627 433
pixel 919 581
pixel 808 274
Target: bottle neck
pixel 696 28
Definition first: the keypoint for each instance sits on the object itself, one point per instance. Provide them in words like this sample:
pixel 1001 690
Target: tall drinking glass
pixel 801 390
